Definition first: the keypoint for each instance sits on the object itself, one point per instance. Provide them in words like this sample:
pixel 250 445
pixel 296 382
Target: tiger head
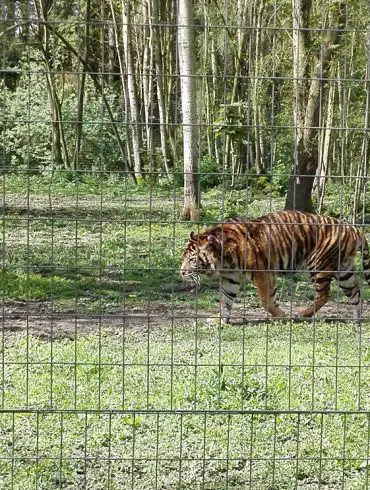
pixel 201 256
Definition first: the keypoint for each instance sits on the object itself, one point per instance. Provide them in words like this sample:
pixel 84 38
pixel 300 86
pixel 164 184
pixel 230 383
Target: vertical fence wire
pixel 111 374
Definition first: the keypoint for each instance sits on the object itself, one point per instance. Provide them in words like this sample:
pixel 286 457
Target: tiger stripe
pixel 283 241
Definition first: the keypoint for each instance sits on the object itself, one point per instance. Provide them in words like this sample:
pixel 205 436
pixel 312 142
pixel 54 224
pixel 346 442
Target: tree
pixel 160 81
pixel 131 86
pixel 60 149
pixel 189 117
pixel 81 91
pixel 362 167
pixel 308 97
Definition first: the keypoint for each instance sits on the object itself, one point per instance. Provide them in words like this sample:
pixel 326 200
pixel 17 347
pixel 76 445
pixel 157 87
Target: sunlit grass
pixel 187 367
pixel 101 245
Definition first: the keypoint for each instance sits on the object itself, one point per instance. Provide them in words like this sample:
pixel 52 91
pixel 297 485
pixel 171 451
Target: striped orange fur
pixel 288 240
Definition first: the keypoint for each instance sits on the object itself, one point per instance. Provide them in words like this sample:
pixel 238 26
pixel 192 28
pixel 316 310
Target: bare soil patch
pixel 38 319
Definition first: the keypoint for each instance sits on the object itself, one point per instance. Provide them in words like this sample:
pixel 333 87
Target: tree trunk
pixel 131 88
pixel 362 168
pixel 301 179
pixel 256 105
pixel 324 152
pixel 160 88
pixel 307 100
pixel 189 120
pixel 58 138
pixel 147 86
pixel 81 92
pixel 126 151
pixel 214 70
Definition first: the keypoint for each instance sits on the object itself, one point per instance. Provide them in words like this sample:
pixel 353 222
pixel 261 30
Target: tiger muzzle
pixel 189 275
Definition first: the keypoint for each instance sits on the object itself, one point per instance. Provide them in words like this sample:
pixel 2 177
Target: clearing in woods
pixel 96 317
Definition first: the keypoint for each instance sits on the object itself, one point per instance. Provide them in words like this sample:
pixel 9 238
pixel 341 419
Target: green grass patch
pixel 100 243
pixel 187 367
pixel 266 366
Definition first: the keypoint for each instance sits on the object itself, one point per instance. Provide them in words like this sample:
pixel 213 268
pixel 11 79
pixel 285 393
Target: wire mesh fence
pixel 115 372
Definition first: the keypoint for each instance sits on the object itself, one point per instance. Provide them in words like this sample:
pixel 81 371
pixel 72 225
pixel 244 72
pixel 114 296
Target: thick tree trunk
pixel 189 119
pixel 301 183
pixel 307 100
pixel 302 178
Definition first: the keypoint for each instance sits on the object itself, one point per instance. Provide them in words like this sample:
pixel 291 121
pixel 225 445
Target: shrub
pixel 27 125
pixel 210 173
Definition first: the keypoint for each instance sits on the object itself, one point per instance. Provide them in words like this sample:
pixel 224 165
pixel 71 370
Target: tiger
pixel 260 248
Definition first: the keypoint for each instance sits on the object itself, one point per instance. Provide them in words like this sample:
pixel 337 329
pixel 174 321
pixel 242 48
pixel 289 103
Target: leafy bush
pixel 27 126
pixel 210 173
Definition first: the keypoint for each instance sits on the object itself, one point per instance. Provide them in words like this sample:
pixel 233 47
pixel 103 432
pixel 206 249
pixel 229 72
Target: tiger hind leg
pixel 348 283
pixel 266 286
pixel 322 282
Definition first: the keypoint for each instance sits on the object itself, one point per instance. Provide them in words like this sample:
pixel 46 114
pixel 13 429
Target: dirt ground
pixel 39 320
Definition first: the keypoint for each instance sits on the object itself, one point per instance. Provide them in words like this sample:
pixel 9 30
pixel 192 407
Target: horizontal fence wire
pixel 240 448
pixel 117 370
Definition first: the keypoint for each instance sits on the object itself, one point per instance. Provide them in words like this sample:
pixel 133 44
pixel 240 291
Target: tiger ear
pixel 192 236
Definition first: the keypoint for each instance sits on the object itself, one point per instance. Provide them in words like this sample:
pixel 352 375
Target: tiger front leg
pixel 230 286
pixel 348 283
pixel 226 307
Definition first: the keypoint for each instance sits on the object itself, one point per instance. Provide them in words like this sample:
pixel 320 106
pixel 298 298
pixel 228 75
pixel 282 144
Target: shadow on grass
pixel 120 213
pixel 75 283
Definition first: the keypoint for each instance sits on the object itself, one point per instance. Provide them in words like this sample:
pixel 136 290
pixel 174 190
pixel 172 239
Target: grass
pixel 102 241
pixel 170 404
pixel 183 367
pixel 100 244
pixel 186 367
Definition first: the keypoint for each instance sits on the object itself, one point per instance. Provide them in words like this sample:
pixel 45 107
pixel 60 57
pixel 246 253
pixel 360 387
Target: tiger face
pixel 200 257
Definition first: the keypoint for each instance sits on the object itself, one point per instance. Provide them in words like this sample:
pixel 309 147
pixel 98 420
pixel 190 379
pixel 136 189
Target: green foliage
pixel 280 178
pixel 210 173
pixel 27 126
pixel 229 107
pixel 230 120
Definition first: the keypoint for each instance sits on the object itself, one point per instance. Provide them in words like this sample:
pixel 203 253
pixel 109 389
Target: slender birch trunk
pixel 121 63
pixel 189 117
pixel 131 88
pixel 81 92
pixel 147 85
pixel 259 157
pixel 59 141
pixel 160 88
pixel 362 168
pixel 324 152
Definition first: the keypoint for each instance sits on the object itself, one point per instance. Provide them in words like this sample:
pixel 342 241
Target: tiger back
pixel 285 241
